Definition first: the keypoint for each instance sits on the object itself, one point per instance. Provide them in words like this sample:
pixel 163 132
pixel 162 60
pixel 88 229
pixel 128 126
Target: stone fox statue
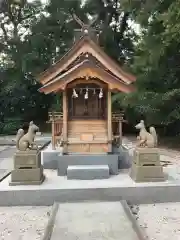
pixel 146 139
pixel 26 141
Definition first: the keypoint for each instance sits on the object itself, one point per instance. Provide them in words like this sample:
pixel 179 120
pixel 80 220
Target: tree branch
pixel 4 31
pixel 124 23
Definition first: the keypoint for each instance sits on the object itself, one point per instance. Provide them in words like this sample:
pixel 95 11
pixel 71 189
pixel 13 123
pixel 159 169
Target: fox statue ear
pixel 142 121
pixel 31 123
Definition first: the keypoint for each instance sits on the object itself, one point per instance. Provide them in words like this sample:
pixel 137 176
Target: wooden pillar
pixel 65 121
pixel 109 120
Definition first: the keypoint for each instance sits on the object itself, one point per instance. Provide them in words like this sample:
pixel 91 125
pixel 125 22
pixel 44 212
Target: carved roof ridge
pixel 53 69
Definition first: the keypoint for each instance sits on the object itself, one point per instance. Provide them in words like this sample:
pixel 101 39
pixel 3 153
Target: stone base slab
pixel 90 172
pixel 59 189
pixel 27 174
pixel 16 183
pixel 30 158
pixel 147 173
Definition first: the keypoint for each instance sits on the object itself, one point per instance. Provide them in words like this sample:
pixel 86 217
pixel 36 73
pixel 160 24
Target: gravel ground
pixel 160 221
pixel 2 148
pixel 23 223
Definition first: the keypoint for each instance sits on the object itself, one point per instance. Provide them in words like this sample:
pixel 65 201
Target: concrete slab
pixel 6 163
pixel 4 173
pixel 124 157
pixel 96 220
pixel 49 158
pixel 88 172
pixel 8 152
pixel 117 187
pixel 3 147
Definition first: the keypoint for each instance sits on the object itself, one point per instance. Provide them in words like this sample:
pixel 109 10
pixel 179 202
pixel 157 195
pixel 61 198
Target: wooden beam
pixel 65 114
pixel 109 120
pixel 87 81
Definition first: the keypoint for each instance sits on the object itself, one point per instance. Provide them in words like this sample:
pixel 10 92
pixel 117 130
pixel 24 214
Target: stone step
pixel 88 172
pixel 80 159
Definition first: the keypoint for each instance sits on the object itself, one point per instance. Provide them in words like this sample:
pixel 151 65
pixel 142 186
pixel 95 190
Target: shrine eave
pixel 85 44
pixel 85 69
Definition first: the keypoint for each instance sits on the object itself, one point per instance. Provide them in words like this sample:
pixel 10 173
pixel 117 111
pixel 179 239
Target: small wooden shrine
pixel 86 76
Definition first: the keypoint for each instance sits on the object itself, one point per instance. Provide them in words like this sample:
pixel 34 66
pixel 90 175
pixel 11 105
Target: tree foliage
pixel 143 36
pixel 155 64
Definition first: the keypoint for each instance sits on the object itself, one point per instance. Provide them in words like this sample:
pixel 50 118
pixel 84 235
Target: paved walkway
pixel 89 221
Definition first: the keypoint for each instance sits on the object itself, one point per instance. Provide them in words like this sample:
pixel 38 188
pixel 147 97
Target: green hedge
pixel 10 126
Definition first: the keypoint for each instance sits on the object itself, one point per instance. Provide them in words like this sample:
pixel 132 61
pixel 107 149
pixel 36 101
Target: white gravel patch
pixel 2 148
pixel 23 223
pixel 160 221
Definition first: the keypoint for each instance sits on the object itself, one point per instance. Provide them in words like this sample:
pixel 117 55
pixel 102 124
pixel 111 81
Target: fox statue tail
pixel 19 135
pixel 152 131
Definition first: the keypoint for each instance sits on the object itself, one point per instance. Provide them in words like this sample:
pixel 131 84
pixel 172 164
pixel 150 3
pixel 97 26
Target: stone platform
pixel 116 188
pixel 119 159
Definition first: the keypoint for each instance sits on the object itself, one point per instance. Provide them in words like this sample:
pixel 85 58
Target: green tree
pixel 156 64
pixel 116 35
pixel 16 18
pixel 33 36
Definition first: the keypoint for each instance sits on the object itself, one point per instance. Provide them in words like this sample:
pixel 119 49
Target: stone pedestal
pixel 146 165
pixel 30 159
pixel 27 168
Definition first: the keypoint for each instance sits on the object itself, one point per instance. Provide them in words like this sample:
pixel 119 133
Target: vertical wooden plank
pixel 65 110
pixel 109 120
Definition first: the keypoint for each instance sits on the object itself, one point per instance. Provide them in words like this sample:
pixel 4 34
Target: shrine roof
pixel 70 60
pixel 64 74
pixel 91 70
